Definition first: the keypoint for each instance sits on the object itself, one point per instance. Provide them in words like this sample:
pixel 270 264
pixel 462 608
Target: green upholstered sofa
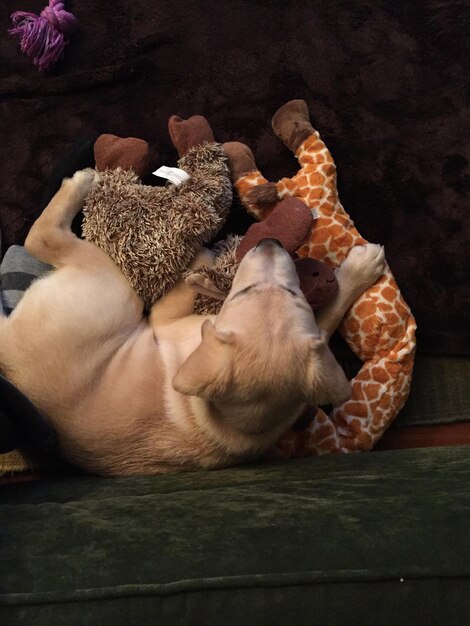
pixel 378 538
pixel 375 538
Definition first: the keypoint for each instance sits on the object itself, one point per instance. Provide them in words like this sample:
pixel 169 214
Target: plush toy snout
pixel 290 222
pixel 317 281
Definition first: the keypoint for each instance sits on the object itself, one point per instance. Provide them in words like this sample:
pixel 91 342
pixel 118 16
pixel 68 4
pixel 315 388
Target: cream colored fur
pixel 134 395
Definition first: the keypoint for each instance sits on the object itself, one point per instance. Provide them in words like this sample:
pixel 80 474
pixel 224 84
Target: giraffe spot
pixel 317 146
pixel 372 390
pixel 367 347
pixel 302 181
pixel 355 426
pixel 290 185
pixel 401 308
pixel 396 331
pixel 333 245
pixel 311 141
pixel 323 221
pixel 380 374
pixel 320 235
pixel 352 325
pixel 365 309
pixel 336 230
pixel 391 318
pixel 346 240
pixel 389 294
pixel 376 428
pixel 407 365
pixel 318 251
pixel 358 392
pixel 325 431
pixel 369 325
pixel 355 408
pixel 315 178
pixel 375 410
pixel 315 194
pixel 326 210
pixel 385 400
pixel 394 369
pixel 365 441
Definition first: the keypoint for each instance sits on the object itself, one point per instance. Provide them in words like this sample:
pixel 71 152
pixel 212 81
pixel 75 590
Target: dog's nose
pixel 269 243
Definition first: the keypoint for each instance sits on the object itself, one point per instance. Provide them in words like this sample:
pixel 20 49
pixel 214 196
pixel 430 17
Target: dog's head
pixel 264 346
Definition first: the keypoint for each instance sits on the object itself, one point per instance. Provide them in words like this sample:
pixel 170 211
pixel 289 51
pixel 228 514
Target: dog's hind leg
pixel 51 239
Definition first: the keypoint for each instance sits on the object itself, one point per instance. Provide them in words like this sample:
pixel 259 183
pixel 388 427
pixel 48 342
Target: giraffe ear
pixel 326 381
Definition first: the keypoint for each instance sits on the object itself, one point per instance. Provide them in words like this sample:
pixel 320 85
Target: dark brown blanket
pixel 386 82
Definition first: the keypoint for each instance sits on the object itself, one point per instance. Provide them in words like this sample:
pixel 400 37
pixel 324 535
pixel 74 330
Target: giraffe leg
pixel 315 182
pixel 256 194
pixel 380 328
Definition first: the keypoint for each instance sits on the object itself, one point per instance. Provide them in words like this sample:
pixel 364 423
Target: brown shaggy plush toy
pixel 154 233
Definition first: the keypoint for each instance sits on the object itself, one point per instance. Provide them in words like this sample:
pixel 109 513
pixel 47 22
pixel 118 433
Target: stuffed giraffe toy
pixel 379 327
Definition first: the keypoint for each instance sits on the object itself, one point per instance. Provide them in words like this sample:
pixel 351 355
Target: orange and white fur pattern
pixel 129 394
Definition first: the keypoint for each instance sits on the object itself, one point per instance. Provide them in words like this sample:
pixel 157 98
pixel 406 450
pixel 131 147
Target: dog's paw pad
pixel 83 180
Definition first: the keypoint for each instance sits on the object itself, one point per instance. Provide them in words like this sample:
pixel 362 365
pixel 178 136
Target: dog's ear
pixel 326 381
pixel 207 372
pixel 204 285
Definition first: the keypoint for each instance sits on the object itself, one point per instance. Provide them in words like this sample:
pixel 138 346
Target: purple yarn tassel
pixel 44 37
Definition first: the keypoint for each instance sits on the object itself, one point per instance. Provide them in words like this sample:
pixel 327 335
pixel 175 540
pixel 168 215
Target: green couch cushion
pixel 440 392
pixel 372 538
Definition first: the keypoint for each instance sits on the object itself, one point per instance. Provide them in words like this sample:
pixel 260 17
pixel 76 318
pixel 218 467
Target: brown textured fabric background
pixel 386 82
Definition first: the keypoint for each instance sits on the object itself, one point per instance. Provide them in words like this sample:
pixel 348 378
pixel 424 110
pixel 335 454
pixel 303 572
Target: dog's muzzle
pixel 269 243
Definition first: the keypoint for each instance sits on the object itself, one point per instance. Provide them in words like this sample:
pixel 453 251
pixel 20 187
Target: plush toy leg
pixel 333 234
pixel 186 134
pixel 291 123
pixel 315 183
pixel 247 178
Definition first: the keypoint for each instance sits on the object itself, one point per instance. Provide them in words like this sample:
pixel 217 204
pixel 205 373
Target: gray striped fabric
pixel 1 299
pixel 17 271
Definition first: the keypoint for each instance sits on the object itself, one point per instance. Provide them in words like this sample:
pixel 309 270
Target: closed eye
pixel 242 292
pixel 291 291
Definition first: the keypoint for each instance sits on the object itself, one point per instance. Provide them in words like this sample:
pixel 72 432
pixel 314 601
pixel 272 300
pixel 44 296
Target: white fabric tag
pixel 315 213
pixel 173 174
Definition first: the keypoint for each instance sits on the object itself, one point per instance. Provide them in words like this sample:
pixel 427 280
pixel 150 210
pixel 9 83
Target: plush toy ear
pixel 207 372
pixel 112 152
pixel 326 380
pixel 204 285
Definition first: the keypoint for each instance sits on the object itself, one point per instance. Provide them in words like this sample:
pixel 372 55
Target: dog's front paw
pixel 204 258
pixel 364 264
pixel 83 181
